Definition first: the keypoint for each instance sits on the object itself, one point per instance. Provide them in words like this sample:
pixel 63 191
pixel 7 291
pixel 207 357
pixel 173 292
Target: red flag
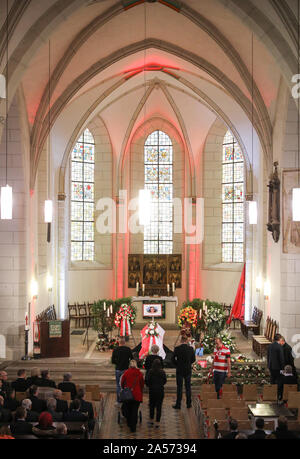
pixel 238 309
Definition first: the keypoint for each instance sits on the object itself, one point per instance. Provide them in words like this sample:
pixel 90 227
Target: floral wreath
pixel 152 329
pixel 189 315
pixel 125 312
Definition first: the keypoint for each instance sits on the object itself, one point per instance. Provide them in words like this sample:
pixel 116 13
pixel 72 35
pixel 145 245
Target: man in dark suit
pixel 61 405
pixel 286 377
pixel 5 414
pixel 21 426
pixel 38 405
pixel 233 425
pixel 121 357
pixel 275 359
pixel 288 354
pixel 85 407
pixel 45 380
pixel 10 402
pixel 75 415
pixel 259 433
pixel 183 358
pixel 20 384
pixel 67 385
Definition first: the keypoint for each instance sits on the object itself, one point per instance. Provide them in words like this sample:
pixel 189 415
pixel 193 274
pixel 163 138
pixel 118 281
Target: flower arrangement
pixel 209 341
pixel 188 315
pixel 152 329
pixel 125 312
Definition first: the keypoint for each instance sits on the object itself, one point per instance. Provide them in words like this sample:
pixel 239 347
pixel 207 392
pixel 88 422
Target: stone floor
pixel 177 424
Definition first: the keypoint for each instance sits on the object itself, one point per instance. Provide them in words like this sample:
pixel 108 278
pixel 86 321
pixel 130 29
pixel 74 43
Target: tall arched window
pixel 158 159
pixel 82 198
pixel 232 201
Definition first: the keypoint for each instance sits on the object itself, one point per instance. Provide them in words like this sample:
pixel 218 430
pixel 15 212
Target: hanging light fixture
pixel 252 206
pixel 34 288
pixel 48 203
pixel 296 191
pixel 6 191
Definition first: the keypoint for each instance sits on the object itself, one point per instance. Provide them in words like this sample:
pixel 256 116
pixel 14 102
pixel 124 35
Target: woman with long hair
pixel 156 380
pixel 134 380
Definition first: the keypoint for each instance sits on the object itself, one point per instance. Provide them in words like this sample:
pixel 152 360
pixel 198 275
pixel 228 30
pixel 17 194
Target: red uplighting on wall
pixel 151 67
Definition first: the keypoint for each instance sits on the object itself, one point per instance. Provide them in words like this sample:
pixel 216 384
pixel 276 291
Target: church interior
pixel 150 191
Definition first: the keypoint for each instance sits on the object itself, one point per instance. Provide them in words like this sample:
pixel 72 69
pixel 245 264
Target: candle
pixel 143 288
pixel 137 287
pixel 111 309
pixel 173 286
pixel 200 314
pixel 104 306
pixel 26 321
pixel 107 312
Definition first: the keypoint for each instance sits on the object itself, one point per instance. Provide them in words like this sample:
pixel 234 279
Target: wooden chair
pixel 66 396
pixel 88 396
pixel 73 314
pixel 229 388
pixel 212 403
pixel 230 396
pixel 287 388
pixel 250 392
pixel 229 404
pixel 218 414
pixel 270 393
pixel 95 391
pixel 21 396
pixel 260 344
pixel 294 400
pixel 294 425
pixel 253 324
pixel 240 414
pixel 83 314
pixel 222 425
pixel 207 395
pixel 207 388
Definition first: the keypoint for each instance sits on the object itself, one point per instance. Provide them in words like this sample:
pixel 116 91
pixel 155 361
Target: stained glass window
pixel 82 198
pixel 232 201
pixel 158 160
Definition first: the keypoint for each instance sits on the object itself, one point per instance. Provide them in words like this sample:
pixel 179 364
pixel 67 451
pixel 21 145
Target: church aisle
pixel 174 424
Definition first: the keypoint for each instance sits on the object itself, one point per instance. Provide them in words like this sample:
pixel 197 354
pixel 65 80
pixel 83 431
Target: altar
pixel 169 305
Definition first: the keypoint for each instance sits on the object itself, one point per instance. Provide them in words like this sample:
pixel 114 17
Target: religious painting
pixel 134 270
pixel 291 229
pixel 155 270
pixel 174 268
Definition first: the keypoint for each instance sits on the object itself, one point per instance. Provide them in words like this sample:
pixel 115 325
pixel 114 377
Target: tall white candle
pixel 107 312
pixel 173 286
pixel 200 314
pixel 111 309
pixel 104 306
pixel 168 288
pixel 137 287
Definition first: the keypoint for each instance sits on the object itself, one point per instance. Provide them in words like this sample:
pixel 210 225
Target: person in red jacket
pixel 134 380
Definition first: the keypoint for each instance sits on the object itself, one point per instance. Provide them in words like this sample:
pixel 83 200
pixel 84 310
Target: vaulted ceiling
pixel 188 61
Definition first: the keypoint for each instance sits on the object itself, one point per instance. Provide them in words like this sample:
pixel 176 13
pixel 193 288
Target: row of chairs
pixel 81 314
pixel 260 343
pixel 253 324
pixel 251 393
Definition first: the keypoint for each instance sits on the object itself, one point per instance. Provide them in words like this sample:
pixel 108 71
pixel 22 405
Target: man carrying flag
pixel 221 365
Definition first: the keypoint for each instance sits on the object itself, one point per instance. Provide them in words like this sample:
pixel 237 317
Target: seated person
pixel 45 427
pixel 5 383
pixel 20 426
pixel 45 380
pixel 2 392
pixel 153 356
pixel 51 408
pixel 20 384
pixel 86 408
pixel 10 403
pixel 75 414
pixel 259 431
pixel 286 377
pixel 233 425
pixel 5 433
pixel 61 431
pixel 31 416
pixel 38 405
pixel 5 414
pixel 67 385
pixel 282 431
pixel 34 379
pixel 61 405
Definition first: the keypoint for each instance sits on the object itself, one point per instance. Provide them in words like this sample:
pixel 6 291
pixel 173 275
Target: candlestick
pixel 143 289
pixel 26 321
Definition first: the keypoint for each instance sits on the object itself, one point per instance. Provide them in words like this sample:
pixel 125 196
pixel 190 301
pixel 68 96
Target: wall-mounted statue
pixel 273 224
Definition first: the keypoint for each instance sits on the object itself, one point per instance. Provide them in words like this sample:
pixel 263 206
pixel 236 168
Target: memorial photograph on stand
pixel 152 310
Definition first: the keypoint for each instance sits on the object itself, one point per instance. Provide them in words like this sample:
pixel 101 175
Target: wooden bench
pixel 260 343
pixel 253 324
